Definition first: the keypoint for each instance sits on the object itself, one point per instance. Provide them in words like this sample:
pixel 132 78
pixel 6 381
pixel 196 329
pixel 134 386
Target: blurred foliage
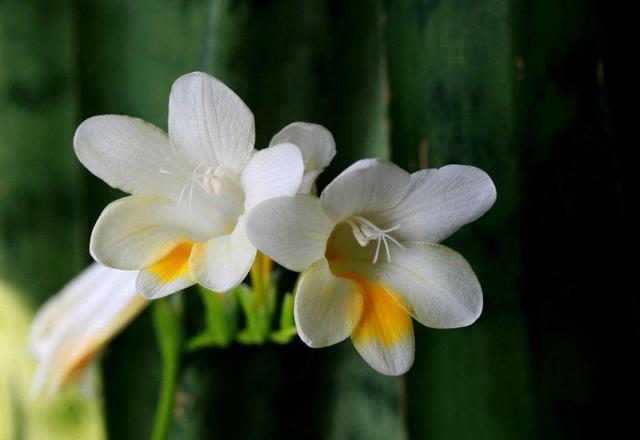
pixel 520 88
pixel 222 316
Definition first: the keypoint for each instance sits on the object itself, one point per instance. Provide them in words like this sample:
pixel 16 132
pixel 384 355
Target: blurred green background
pixel 529 90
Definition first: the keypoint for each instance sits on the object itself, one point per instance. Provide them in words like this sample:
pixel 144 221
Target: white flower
pixel 367 251
pixel 76 323
pixel 316 145
pixel 185 222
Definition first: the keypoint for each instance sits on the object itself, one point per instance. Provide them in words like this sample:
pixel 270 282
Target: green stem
pixel 167 317
pixel 164 409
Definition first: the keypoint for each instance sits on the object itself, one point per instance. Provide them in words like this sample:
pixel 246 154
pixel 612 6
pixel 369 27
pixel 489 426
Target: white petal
pixel 307 186
pixel 168 274
pixel 441 289
pixel 440 201
pixel 56 310
pixel 327 308
pixel 210 123
pixel 77 322
pixel 367 186
pixel 436 284
pixel 316 144
pixel 221 263
pixel 272 172
pixel 129 154
pixel 384 333
pixel 219 211
pixel 153 287
pixel 135 232
pixel 392 359
pixel 293 231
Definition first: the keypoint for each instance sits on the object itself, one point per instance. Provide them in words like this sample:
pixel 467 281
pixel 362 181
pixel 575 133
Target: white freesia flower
pixel 316 145
pixel 76 323
pixel 367 251
pixel 185 222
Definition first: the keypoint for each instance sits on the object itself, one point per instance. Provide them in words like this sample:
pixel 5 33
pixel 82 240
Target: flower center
pixel 364 231
pixel 206 177
pixel 212 180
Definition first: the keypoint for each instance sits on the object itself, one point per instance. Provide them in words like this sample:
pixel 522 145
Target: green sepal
pixel 258 313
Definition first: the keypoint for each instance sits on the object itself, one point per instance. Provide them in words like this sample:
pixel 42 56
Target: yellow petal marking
pixel 383 318
pixel 80 360
pixel 174 264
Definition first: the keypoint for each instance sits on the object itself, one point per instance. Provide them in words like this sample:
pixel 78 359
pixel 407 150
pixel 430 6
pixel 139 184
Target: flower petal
pixel 308 180
pixel 136 232
pixel 272 172
pixel 367 186
pixel 210 123
pixel 53 314
pixel 77 322
pixel 129 154
pixel 221 263
pixel 394 359
pixel 384 334
pixel 440 287
pixel 316 144
pixel 167 275
pixel 327 308
pixel 293 231
pixel 219 211
pixel 435 283
pixel 440 201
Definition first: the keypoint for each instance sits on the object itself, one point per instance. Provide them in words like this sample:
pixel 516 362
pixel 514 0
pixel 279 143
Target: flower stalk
pixel 167 320
pixel 261 278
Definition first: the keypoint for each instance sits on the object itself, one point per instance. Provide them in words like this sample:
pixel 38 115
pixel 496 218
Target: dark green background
pixel 530 91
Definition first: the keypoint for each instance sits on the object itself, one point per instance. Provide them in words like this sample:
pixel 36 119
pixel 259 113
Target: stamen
pixel 364 231
pixel 184 187
pixel 210 180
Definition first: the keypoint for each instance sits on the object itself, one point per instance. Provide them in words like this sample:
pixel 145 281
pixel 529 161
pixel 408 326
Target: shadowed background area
pixel 530 91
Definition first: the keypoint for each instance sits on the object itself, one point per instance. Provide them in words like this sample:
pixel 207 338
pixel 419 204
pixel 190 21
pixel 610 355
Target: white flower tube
pixel 191 189
pixel 369 259
pixel 76 323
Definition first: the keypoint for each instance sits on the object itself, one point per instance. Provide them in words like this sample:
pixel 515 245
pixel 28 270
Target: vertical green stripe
pixel 452 70
pixel 42 235
pixel 41 240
